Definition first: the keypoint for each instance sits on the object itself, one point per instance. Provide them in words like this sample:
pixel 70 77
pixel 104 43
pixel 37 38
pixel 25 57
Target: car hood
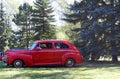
pixel 16 51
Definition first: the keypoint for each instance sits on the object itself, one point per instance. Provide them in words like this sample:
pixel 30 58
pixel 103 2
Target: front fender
pixel 27 59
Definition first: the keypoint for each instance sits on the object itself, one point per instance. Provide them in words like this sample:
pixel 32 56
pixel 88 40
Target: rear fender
pixel 67 56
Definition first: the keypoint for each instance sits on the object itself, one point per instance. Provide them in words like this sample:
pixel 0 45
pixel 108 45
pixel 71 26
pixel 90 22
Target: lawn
pixel 99 70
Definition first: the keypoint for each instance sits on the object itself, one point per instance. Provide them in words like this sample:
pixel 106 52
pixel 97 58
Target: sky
pixel 29 1
pixel 59 11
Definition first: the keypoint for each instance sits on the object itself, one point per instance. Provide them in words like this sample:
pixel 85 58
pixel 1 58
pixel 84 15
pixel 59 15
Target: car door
pixel 45 53
pixel 60 49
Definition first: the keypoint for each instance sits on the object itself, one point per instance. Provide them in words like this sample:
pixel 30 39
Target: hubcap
pixel 69 62
pixel 17 63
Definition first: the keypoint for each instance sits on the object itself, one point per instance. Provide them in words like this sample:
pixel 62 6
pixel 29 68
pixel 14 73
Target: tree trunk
pixel 114 58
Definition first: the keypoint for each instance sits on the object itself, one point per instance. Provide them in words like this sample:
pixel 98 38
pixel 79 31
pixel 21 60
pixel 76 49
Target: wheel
pixel 18 63
pixel 69 63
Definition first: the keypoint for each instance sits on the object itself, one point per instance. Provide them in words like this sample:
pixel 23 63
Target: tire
pixel 18 63
pixel 69 62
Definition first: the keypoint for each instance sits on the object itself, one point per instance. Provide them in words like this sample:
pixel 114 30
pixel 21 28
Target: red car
pixel 44 52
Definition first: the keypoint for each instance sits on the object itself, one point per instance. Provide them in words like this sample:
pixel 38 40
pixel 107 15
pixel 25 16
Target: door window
pixel 45 45
pixel 61 46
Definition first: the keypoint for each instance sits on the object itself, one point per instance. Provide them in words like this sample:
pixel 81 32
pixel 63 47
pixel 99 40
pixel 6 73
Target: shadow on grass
pixel 99 65
pixel 28 75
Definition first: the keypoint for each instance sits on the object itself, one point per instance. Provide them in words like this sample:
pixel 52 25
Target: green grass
pixel 82 71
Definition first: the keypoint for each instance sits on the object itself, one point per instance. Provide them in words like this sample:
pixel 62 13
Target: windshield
pixel 32 46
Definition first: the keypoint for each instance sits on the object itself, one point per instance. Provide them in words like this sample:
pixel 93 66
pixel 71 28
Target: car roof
pixel 52 40
pixel 56 40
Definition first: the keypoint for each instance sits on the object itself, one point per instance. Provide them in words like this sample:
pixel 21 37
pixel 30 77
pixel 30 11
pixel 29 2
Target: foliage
pixel 68 30
pixel 22 19
pixel 42 19
pixel 99 31
pixel 5 29
pixel 31 25
pixel 1 19
pixel 60 33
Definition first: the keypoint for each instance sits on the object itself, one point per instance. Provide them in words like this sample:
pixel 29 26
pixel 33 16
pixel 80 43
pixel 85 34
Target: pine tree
pixel 1 19
pixel 22 19
pixel 99 31
pixel 42 20
pixel 5 29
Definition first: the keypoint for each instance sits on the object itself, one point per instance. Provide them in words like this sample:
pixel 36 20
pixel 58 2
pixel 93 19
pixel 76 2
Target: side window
pixel 45 45
pixel 61 46
pixel 64 45
pixel 57 45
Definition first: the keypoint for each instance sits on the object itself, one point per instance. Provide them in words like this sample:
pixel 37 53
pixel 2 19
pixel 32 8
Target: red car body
pixel 44 52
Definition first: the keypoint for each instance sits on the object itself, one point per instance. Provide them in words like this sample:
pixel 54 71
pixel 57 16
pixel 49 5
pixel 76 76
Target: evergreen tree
pixel 5 29
pixel 1 19
pixel 22 19
pixel 42 19
pixel 99 31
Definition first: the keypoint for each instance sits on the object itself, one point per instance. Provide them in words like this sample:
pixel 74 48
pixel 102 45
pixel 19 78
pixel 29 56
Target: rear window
pixel 61 45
